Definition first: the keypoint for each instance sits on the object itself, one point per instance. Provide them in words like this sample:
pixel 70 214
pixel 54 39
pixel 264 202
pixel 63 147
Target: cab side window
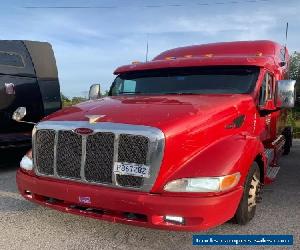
pixel 266 90
pixel 129 86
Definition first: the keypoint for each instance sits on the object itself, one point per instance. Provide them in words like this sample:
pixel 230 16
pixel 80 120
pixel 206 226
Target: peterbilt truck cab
pixel 183 142
pixel 28 79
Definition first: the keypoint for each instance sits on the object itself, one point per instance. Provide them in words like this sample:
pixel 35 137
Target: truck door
pixel 268 120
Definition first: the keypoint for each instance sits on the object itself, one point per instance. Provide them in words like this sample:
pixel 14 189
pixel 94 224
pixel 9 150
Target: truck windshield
pixel 213 80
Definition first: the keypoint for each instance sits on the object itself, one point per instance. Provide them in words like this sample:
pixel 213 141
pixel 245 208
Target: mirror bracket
pixel 19 114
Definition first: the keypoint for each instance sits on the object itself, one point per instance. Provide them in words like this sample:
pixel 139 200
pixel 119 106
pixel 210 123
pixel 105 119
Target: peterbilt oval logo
pixel 84 131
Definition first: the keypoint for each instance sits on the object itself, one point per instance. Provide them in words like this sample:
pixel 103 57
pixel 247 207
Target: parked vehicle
pixel 183 142
pixel 28 78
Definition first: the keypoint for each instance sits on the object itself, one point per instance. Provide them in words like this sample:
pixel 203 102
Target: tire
pixel 288 134
pixel 246 209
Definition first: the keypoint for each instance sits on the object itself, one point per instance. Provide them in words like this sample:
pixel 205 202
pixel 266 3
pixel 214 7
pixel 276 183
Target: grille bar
pixel 133 149
pixel 90 158
pixel 55 153
pixel 83 158
pixel 69 154
pixel 45 151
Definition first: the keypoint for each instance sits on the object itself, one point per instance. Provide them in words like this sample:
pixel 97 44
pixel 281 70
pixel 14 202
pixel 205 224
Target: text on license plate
pixel 133 169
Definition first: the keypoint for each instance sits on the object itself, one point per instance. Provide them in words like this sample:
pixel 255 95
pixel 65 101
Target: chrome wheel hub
pixel 253 191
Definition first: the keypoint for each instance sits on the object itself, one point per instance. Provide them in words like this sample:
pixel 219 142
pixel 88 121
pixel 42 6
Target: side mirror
pixel 95 92
pixel 286 93
pixel 19 114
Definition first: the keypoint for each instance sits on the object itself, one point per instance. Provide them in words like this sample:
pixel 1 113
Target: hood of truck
pixel 157 111
pixel 189 122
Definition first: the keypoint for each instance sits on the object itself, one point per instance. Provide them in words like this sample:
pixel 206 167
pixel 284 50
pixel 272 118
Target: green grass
pixel 297 109
pixel 297 129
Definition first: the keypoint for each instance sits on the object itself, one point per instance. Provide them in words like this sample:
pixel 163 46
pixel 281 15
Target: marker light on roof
pixel 170 58
pixel 135 62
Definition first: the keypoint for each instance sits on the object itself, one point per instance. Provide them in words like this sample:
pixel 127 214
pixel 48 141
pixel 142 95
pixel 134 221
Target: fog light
pixel 174 219
pixel 26 162
pixel 28 194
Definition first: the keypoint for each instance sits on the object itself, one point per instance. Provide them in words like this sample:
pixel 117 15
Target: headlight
pixel 26 162
pixel 203 184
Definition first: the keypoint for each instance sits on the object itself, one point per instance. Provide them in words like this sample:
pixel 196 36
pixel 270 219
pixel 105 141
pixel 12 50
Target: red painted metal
pixel 200 141
pixel 113 205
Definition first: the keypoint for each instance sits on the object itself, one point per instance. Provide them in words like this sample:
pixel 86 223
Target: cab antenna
pixel 286 33
pixel 286 38
pixel 147 48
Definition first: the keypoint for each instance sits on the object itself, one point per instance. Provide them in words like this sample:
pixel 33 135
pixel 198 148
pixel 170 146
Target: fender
pixel 234 153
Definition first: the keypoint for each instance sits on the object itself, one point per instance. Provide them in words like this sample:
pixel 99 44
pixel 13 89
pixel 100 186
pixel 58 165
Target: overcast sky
pixel 90 43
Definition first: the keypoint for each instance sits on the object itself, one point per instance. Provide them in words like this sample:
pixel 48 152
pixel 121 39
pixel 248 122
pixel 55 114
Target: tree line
pixel 66 101
pixel 294 72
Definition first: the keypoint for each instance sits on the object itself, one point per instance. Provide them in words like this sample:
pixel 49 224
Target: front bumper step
pixel 129 207
pixel 272 172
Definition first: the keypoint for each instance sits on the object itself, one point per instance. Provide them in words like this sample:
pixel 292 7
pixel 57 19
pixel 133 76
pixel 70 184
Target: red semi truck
pixel 183 142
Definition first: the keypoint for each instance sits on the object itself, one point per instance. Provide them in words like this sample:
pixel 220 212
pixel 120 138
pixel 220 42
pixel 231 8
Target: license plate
pixel 133 169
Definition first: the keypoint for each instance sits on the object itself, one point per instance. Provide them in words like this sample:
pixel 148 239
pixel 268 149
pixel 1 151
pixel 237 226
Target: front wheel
pixel 247 206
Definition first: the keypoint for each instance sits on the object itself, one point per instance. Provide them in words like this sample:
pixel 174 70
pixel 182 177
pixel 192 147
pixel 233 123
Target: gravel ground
pixel 24 225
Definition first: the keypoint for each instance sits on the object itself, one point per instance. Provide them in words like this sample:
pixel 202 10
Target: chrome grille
pixel 99 157
pixel 133 149
pixel 129 181
pixel 59 152
pixel 69 153
pixel 45 151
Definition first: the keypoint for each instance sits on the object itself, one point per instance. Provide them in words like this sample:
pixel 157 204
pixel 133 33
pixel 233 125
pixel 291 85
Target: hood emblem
pixel 94 118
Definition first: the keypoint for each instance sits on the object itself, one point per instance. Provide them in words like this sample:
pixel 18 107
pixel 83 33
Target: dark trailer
pixel 28 78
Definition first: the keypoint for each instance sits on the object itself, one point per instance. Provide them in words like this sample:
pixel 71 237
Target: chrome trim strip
pixel 280 137
pixel 154 158
pixel 55 154
pixel 116 155
pixel 34 148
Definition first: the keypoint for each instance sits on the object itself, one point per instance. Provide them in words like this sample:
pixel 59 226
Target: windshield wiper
pixel 129 92
pixel 163 93
pixel 180 93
